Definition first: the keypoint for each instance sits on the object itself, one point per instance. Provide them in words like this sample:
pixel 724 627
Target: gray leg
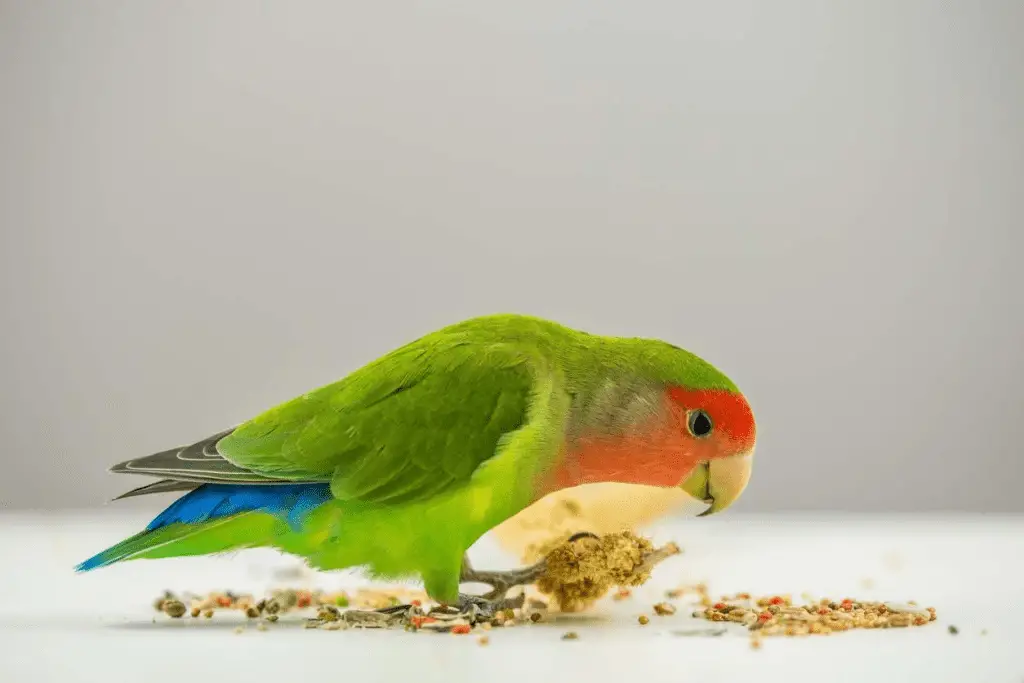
pixel 500 581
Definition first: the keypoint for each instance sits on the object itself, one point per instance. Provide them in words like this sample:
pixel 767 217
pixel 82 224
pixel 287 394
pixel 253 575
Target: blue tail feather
pixel 210 502
pixel 214 501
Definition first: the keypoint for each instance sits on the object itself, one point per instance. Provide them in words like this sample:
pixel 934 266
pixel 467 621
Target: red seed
pixel 764 616
pixel 776 600
pixel 461 629
pixel 415 603
pixel 224 601
pixel 823 610
pixel 719 605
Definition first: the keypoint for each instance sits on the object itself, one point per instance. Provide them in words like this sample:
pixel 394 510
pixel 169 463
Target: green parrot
pixel 401 466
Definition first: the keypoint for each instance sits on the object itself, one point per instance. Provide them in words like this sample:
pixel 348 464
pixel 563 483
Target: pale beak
pixel 720 482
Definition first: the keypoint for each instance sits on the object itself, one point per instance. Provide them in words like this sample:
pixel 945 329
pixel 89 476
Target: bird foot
pixel 501 582
pixel 484 608
pixel 473 609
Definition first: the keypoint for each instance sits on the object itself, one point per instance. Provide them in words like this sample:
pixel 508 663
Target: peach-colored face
pixel 719 423
pixel 694 427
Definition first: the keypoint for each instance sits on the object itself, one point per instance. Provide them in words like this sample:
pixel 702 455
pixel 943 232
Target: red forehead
pixel 730 413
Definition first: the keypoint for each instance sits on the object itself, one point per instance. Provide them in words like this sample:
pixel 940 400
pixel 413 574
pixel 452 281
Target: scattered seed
pixel 570 635
pixel 208 613
pixel 953 629
pixel 240 629
pixel 195 612
pixel 328 613
pixel 272 618
pixel 643 619
pixel 535 617
pixel 261 627
pixel 483 640
pixel 664 609
pixel 776 615
pixel 174 608
pixel 252 612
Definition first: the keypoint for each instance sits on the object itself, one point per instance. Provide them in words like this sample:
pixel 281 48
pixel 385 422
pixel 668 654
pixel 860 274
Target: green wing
pixel 409 425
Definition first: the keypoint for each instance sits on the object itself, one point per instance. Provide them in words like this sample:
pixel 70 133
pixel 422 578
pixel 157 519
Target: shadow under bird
pixel 401 466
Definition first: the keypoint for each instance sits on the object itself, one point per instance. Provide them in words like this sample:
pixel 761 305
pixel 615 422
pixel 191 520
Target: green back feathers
pixel 421 419
pixel 410 425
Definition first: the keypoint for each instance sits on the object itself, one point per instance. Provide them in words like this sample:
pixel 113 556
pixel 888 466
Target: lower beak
pixel 720 482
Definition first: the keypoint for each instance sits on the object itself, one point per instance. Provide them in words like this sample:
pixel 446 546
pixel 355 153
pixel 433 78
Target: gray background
pixel 209 207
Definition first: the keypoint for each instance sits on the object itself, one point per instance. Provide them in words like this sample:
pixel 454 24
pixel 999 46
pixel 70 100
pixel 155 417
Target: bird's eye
pixel 699 423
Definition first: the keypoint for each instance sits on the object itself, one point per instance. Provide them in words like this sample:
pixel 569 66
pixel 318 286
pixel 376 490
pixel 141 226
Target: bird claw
pixel 474 608
pixel 485 608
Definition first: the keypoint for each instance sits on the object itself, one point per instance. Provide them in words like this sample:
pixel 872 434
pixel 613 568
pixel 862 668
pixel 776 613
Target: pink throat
pixel 657 458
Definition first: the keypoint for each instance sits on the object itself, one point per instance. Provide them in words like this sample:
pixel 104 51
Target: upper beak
pixel 719 482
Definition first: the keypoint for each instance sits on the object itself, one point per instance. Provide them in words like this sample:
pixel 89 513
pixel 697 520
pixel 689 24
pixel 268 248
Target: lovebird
pixel 401 466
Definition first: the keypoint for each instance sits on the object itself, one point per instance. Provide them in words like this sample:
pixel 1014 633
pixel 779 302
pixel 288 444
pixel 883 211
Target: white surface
pixel 98 627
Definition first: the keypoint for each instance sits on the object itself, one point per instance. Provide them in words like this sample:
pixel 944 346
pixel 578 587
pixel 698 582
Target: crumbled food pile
pixel 601 509
pixel 581 571
pixel 779 616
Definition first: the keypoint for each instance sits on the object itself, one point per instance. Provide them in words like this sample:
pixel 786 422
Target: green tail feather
pixel 245 530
